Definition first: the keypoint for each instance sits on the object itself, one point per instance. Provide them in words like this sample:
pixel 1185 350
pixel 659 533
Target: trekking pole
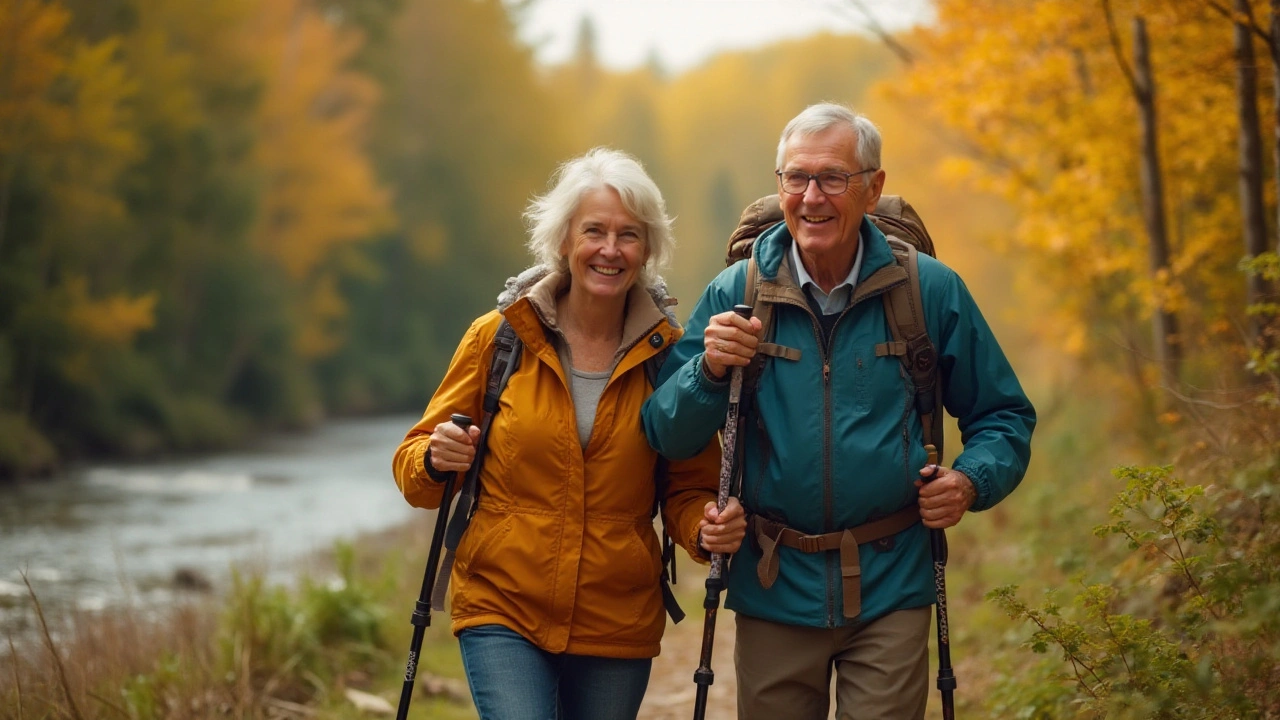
pixel 938 545
pixel 703 676
pixel 422 609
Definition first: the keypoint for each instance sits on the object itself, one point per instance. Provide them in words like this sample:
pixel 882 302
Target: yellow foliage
pixel 31 60
pixel 63 113
pixel 114 319
pixel 1049 115
pixel 428 242
pixel 317 334
pixel 321 190
pixel 321 193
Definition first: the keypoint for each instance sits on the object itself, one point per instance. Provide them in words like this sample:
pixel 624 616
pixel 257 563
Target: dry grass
pixel 256 651
pixel 83 665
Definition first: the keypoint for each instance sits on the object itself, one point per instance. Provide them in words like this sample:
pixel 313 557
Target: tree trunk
pixel 1275 100
pixel 1164 323
pixel 1251 207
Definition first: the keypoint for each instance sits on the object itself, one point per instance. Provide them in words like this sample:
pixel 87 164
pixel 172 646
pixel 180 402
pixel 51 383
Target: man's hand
pixel 946 498
pixel 722 532
pixel 729 340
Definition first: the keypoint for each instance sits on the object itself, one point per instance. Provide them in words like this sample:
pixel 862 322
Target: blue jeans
pixel 513 679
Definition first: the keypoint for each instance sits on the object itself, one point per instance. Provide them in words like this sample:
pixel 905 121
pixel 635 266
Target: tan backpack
pixel 903 304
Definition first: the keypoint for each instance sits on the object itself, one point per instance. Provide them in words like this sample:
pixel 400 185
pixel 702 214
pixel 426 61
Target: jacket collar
pixel 529 304
pixel 879 268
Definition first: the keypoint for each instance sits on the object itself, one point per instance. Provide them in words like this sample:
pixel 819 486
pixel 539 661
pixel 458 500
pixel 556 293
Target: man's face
pixel 825 225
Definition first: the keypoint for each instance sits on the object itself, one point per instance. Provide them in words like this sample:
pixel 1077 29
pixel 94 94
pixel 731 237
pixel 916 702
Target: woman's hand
pixel 722 532
pixel 452 448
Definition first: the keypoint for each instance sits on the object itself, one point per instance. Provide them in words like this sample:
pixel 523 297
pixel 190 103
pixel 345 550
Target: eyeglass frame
pixel 816 178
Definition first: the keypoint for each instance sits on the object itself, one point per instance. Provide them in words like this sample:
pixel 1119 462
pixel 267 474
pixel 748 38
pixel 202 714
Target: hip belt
pixel 770 535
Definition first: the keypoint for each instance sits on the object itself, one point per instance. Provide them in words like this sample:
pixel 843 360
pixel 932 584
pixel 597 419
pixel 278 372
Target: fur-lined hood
pixel 518 286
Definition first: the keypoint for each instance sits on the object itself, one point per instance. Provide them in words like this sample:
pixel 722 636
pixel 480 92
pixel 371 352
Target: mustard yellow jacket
pixel 562 548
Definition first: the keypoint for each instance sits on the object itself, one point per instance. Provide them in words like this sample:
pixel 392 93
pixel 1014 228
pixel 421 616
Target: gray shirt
pixel 585 388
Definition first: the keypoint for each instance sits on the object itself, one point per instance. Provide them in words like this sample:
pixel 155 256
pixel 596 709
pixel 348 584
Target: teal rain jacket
pixel 836 449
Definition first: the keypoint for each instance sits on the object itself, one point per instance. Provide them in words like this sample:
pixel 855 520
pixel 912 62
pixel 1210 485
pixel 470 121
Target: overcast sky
pixel 686 32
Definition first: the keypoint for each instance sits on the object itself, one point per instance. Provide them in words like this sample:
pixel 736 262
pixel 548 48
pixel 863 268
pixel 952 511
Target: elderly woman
pixel 555 591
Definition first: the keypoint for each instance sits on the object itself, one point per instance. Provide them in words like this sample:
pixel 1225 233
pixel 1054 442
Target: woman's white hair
pixel 824 116
pixel 549 215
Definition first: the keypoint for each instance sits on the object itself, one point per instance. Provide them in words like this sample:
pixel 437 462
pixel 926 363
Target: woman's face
pixel 606 247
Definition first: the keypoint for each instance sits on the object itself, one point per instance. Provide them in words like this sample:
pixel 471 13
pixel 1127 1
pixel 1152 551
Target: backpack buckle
pixel 810 543
pixel 926 359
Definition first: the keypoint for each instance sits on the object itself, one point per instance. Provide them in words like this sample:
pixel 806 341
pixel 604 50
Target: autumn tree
pixel 65 139
pixel 466 134
pixel 1051 123
pixel 321 194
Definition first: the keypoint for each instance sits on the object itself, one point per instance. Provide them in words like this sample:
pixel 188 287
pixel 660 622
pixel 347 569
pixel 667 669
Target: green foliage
pixel 299 641
pixel 22 447
pixel 1184 627
pixel 264 632
pixel 149 696
pixel 346 611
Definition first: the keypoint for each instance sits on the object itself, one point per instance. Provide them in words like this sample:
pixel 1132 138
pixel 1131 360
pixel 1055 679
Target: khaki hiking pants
pixel 882 669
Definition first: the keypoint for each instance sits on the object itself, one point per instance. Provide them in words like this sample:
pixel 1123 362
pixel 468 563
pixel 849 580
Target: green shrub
pixel 293 644
pixel 1186 626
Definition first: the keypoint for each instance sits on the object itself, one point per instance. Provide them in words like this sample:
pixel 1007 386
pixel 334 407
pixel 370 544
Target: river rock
pixel 368 703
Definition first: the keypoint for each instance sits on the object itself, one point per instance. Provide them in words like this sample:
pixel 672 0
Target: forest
pixel 226 217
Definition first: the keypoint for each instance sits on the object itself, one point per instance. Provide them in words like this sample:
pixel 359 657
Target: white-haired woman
pixel 555 591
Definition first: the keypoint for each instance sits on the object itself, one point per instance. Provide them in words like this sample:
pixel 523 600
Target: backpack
pixel 903 304
pixel 506 358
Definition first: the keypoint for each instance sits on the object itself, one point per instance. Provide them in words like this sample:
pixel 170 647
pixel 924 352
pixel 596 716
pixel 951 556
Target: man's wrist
pixel 708 375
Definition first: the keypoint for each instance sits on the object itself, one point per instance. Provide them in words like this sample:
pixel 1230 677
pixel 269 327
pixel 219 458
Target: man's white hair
pixel 824 116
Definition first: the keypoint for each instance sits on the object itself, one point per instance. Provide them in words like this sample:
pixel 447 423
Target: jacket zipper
pixel 825 348
pixel 828 482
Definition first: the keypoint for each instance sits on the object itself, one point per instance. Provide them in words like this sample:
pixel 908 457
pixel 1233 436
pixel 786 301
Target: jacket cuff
pixel 438 476
pixel 977 475
pixel 701 556
pixel 706 381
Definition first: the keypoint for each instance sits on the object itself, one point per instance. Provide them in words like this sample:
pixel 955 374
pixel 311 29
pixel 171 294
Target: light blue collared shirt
pixel 839 297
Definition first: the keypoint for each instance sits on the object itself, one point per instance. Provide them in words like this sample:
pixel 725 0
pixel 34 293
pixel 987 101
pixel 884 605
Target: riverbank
pixel 132 566
pixel 332 646
pixel 147 535
pixel 250 650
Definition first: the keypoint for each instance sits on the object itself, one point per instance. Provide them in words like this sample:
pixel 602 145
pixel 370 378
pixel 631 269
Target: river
pixel 105 534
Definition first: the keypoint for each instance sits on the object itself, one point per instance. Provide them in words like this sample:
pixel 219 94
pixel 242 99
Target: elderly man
pixel 836 444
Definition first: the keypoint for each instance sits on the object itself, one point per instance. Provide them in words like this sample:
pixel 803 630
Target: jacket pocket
pixel 485 532
pixel 618 595
pixel 645 554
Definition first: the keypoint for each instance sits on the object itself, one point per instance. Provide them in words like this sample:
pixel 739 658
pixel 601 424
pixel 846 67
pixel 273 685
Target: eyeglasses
pixel 832 182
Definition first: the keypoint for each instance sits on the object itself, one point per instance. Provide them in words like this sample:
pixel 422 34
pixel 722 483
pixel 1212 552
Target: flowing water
pixel 144 533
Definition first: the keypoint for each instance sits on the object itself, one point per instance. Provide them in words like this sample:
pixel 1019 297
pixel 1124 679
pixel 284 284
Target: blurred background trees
pixel 222 216
pixel 225 216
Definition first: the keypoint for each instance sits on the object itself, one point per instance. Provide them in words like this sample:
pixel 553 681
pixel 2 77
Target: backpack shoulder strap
pixel 660 476
pixel 764 311
pixel 661 480
pixel 507 348
pixel 904 308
